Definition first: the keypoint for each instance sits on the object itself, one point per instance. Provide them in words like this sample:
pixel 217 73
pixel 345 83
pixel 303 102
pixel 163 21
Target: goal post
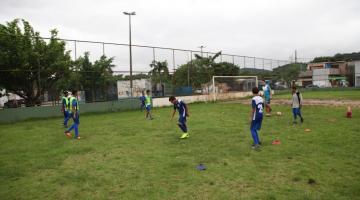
pixel 232 86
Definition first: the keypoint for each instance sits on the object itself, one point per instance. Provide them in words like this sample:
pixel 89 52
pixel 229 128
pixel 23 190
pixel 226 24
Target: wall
pixel 160 102
pixel 23 113
pixel 321 77
pixel 17 114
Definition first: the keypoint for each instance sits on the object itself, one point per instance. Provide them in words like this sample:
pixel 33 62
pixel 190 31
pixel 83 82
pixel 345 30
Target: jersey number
pixel 260 107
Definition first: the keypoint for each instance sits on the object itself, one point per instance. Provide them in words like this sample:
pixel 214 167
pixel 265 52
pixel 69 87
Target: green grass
pixel 123 156
pixel 323 94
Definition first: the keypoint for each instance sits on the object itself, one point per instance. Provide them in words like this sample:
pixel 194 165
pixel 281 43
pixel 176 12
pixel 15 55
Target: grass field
pixel 324 94
pixel 123 156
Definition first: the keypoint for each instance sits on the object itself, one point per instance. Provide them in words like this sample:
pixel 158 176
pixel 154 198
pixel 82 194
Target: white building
pixel 139 85
pixel 357 73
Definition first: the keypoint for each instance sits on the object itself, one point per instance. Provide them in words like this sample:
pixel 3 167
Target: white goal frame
pixel 213 82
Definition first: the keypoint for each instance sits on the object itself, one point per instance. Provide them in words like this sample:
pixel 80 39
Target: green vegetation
pixel 325 94
pixel 338 57
pixel 123 156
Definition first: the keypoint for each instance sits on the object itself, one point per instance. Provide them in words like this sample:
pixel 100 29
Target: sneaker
pixel 78 138
pixel 256 147
pixel 185 135
pixel 68 134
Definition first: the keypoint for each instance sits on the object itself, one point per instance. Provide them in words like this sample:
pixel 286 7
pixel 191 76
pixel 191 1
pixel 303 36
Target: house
pixel 356 73
pixel 326 74
pixel 139 85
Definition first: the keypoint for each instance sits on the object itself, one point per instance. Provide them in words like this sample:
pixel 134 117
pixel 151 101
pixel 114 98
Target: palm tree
pixel 159 72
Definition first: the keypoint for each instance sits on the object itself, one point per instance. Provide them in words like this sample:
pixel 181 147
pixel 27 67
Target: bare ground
pixel 316 102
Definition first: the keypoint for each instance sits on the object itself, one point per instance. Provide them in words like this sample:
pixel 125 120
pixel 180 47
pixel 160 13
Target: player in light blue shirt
pixel 256 117
pixel 181 107
pixel 267 95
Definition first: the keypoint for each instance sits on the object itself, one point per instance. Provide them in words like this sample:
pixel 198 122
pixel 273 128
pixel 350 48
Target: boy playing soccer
pixel 256 116
pixel 65 108
pixel 148 105
pixel 183 113
pixel 267 95
pixel 297 100
pixel 74 112
pixel 142 101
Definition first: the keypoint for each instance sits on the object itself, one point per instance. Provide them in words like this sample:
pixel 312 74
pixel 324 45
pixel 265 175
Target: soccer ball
pixel 278 113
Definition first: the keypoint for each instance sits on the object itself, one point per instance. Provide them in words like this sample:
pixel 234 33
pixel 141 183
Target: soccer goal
pixel 232 87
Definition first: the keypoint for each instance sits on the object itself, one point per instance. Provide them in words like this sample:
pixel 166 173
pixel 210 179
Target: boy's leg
pixel 299 113
pixel 183 127
pixel 254 134
pixel 68 116
pixel 76 127
pixel 182 124
pixel 294 114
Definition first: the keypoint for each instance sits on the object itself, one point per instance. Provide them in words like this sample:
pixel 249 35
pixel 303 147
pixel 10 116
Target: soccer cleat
pixel 185 135
pixel 67 134
pixel 256 147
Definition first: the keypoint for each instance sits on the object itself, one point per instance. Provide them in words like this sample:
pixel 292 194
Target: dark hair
pixel 172 98
pixel 147 91
pixel 255 90
pixel 65 92
pixel 74 91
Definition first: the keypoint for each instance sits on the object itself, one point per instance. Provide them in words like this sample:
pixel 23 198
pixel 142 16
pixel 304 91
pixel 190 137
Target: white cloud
pixel 262 28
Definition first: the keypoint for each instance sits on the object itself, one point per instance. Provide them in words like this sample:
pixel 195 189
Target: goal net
pixel 232 87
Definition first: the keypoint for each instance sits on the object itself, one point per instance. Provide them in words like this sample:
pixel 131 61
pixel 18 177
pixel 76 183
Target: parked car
pixel 312 86
pixel 12 104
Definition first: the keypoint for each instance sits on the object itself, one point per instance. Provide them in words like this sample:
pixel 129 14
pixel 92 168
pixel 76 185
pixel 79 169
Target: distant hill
pixel 338 57
pixel 255 71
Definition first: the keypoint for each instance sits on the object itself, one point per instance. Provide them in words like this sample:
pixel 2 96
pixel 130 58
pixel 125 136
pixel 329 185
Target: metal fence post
pixel 173 51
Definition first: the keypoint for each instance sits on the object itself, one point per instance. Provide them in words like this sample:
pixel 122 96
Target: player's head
pixel 74 92
pixel 172 99
pixel 293 89
pixel 255 90
pixel 65 93
pixel 147 92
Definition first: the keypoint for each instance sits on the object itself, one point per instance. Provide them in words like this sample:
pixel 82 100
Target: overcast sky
pixel 262 28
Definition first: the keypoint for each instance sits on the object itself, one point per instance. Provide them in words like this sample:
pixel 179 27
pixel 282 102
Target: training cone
pixel 276 142
pixel 349 112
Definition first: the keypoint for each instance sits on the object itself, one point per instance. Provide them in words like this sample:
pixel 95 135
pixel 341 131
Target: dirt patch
pixel 314 102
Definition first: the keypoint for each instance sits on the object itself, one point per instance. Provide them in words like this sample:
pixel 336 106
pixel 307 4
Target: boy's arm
pixel 186 110
pixel 173 114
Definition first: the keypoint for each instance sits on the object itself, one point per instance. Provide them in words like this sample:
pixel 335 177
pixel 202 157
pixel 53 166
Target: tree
pixel 288 72
pixel 202 69
pixel 159 72
pixel 94 77
pixel 30 66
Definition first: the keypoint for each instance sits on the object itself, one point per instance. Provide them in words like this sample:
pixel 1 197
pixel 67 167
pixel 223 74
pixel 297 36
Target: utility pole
pixel 201 49
pixel 131 81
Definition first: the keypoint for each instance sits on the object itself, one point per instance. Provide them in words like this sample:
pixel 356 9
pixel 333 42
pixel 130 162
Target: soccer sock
pixel 255 136
pixel 71 128
pixel 182 127
pixel 76 130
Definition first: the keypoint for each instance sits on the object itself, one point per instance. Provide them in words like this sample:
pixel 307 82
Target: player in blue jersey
pixel 142 101
pixel 183 113
pixel 74 112
pixel 256 116
pixel 65 108
pixel 148 102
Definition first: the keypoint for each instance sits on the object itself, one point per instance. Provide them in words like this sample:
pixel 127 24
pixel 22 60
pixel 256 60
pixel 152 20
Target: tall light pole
pixel 131 82
pixel 201 49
